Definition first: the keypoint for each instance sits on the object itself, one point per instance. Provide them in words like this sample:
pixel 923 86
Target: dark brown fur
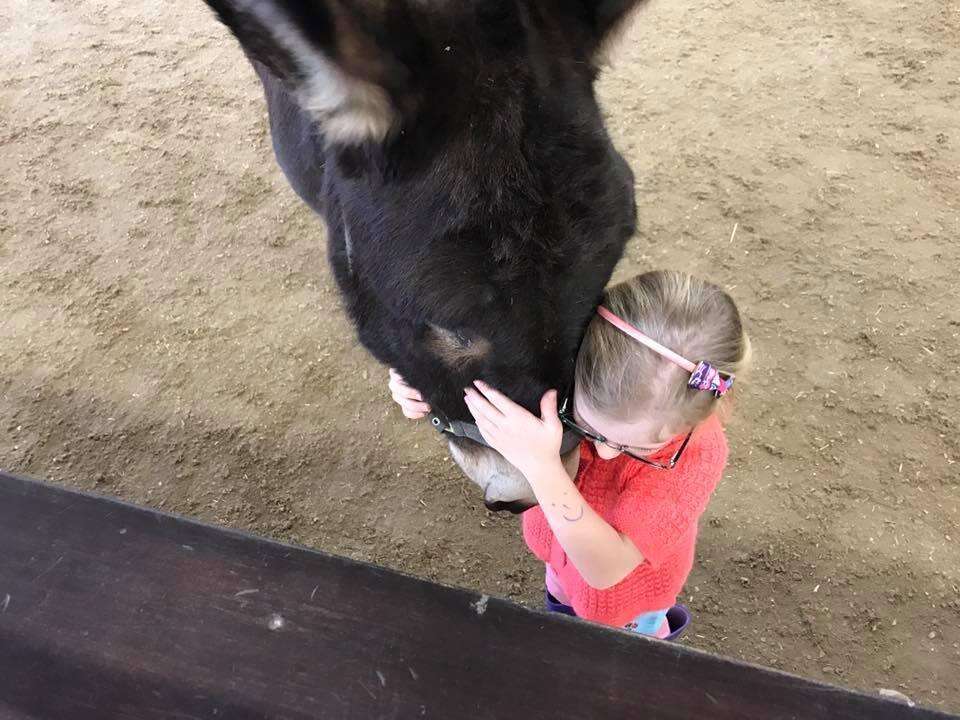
pixel 469 186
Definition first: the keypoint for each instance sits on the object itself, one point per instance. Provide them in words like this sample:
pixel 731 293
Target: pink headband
pixel 703 376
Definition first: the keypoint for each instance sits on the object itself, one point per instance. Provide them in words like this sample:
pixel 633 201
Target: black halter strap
pixel 469 430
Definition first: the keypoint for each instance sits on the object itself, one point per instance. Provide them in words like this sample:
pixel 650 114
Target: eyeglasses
pixel 566 417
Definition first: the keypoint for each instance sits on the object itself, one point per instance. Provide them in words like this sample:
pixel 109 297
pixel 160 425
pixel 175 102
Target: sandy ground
pixel 170 334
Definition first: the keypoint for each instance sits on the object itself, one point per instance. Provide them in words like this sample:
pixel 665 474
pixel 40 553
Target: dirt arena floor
pixel 170 334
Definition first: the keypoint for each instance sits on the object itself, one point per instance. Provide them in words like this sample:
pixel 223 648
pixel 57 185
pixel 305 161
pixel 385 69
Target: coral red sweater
pixel 657 509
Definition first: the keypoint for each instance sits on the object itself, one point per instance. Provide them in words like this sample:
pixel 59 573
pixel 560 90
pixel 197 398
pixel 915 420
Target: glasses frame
pixel 566 417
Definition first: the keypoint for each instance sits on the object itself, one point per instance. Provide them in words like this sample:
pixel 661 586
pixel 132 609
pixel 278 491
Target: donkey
pixel 474 203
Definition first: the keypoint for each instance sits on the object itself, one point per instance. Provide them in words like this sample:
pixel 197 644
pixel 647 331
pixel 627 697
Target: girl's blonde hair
pixel 623 379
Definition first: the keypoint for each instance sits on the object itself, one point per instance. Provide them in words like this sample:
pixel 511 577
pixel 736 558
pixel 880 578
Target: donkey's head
pixel 474 202
pixel 368 68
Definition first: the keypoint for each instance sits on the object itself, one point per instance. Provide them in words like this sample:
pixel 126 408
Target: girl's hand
pixel 410 400
pixel 528 442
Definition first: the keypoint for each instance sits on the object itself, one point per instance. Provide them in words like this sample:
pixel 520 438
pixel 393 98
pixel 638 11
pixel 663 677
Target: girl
pixel 653 373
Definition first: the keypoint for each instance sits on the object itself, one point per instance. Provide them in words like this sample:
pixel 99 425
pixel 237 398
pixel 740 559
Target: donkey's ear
pixel 605 17
pixel 333 55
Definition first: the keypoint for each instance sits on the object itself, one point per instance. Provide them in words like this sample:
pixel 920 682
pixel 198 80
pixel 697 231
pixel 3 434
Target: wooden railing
pixel 108 610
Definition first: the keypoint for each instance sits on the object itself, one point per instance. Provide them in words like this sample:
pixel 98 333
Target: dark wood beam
pixel 113 611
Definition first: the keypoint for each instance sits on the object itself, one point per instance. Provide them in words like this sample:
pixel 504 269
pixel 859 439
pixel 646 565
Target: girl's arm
pixel 602 555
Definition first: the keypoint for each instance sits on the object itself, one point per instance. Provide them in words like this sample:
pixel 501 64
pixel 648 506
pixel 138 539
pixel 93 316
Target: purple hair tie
pixel 707 377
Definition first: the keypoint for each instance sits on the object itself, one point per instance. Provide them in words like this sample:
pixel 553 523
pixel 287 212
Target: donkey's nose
pixel 514 506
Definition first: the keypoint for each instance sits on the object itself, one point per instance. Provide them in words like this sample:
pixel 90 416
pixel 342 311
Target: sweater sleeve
pixel 537 533
pixel 659 509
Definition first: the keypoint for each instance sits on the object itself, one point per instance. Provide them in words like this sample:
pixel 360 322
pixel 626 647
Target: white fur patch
pixel 499 480
pixel 350 110
pixel 616 37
